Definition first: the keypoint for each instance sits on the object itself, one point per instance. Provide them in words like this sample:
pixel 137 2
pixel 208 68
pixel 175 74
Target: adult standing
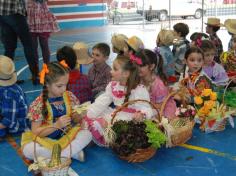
pixel 14 24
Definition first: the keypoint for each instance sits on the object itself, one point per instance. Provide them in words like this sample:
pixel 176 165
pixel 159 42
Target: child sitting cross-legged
pixel 125 86
pixel 55 108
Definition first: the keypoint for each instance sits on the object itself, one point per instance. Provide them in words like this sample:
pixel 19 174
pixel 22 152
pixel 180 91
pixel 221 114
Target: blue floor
pixel 215 153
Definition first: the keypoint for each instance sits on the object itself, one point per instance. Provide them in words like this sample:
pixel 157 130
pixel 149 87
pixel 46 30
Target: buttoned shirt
pixel 10 7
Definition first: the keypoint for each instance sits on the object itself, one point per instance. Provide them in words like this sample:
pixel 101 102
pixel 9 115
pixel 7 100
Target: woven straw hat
pixel 166 37
pixel 81 50
pixel 118 41
pixel 7 71
pixel 214 22
pixel 135 43
pixel 230 25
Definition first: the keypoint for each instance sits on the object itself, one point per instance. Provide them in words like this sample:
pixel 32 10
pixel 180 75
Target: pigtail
pixel 160 71
pixel 45 99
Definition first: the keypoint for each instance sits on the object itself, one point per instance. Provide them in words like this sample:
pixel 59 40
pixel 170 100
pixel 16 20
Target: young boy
pixel 99 74
pixel 13 105
pixel 213 25
pixel 78 83
pixel 179 48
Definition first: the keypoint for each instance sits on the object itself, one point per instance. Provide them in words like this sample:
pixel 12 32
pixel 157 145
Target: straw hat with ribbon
pixel 135 43
pixel 81 50
pixel 118 41
pixel 8 75
pixel 230 25
pixel 214 22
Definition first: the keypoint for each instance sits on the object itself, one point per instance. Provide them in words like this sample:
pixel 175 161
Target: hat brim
pixel 10 81
pixel 215 25
pixel 85 61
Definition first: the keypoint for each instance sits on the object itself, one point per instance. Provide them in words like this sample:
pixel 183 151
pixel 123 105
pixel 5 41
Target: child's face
pixel 209 57
pixel 209 29
pixel 57 88
pixel 195 62
pixel 117 74
pixel 98 57
pixel 146 71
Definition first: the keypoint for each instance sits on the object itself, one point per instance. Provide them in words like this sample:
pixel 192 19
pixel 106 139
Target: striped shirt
pixel 13 108
pixel 10 7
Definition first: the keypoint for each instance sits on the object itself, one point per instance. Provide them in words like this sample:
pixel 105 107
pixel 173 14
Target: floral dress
pixel 228 59
pixel 100 111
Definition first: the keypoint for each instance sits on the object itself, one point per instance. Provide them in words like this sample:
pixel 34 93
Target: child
pixel 99 74
pixel 228 59
pixel 118 43
pixel 41 23
pixel 78 83
pixel 230 25
pixel 13 105
pixel 123 87
pixel 212 69
pixel 197 37
pixel 165 38
pixel 54 108
pixel 213 25
pixel 193 78
pixel 133 44
pixel 180 46
pixel 152 76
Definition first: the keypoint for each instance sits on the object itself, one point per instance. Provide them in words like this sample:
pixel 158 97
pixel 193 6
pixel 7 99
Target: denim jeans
pixel 12 27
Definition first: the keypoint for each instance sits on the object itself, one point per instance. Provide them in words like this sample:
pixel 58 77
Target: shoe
pixel 81 156
pixel 20 81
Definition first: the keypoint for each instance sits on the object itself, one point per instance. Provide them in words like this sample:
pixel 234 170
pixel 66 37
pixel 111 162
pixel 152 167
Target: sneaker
pixel 81 156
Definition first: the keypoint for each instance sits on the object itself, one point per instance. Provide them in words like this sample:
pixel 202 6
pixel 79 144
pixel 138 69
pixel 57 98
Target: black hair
pixel 68 54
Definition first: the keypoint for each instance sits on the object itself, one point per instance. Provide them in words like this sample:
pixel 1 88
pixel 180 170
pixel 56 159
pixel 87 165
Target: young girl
pixel 133 44
pixel 194 78
pixel 152 76
pixel 123 87
pixel 54 107
pixel 41 23
pixel 212 69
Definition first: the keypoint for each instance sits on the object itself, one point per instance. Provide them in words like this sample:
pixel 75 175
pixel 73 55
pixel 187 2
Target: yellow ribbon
pixel 43 73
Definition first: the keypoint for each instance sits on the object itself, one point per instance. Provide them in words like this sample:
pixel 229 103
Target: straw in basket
pixel 176 135
pixel 142 154
pixel 49 166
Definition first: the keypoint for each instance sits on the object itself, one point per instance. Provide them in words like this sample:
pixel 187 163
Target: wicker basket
pixel 176 136
pixel 62 169
pixel 140 155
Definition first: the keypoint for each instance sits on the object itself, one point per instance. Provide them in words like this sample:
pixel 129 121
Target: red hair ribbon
pixel 135 59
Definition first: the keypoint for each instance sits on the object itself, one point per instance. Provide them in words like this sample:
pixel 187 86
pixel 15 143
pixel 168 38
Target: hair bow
pixel 136 59
pixel 43 73
pixel 199 42
pixel 64 64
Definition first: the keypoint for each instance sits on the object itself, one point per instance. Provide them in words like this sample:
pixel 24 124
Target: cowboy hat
pixel 81 50
pixel 7 71
pixel 230 25
pixel 135 43
pixel 118 41
pixel 214 22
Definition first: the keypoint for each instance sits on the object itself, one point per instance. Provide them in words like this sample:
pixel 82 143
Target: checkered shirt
pixel 10 7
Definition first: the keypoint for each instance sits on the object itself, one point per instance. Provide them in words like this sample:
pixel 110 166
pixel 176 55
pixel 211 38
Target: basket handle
pixel 64 132
pixel 226 87
pixel 132 102
pixel 163 105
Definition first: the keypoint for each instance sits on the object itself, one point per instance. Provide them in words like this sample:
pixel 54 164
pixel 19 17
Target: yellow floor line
pixel 210 151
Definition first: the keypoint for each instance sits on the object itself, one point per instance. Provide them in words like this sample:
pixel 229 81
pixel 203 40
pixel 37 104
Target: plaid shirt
pixel 13 108
pixel 10 7
pixel 99 76
pixel 218 44
pixel 79 85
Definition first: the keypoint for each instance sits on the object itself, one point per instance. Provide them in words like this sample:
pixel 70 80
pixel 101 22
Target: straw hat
pixel 230 25
pixel 118 41
pixel 7 71
pixel 81 50
pixel 166 37
pixel 135 43
pixel 214 22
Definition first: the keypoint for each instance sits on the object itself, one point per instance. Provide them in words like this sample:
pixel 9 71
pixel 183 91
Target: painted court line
pixel 209 151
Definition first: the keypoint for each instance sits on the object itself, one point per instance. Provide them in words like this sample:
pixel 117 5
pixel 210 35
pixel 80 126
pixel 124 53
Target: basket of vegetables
pixel 136 141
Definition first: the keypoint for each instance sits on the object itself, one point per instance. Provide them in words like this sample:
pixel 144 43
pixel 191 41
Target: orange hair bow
pixel 63 63
pixel 43 73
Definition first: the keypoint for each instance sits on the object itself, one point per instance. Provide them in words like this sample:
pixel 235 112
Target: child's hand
pixel 63 121
pixel 138 116
pixel 77 118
